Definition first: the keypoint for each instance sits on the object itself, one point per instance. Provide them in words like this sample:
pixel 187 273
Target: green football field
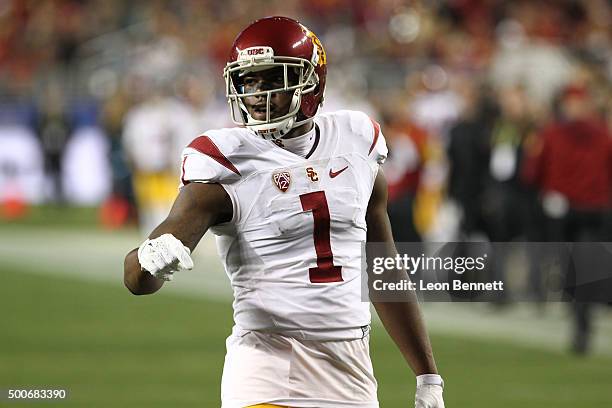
pixel 111 349
pixel 68 323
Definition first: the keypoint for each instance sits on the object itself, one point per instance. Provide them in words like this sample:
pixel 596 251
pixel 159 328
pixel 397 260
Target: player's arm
pixel 197 207
pixel 403 320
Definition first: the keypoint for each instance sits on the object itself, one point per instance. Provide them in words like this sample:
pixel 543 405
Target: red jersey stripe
pixel 205 145
pixel 376 133
pixel 183 172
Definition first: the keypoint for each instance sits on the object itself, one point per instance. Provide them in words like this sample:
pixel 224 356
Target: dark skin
pixel 279 101
pixel 200 206
pixel 402 320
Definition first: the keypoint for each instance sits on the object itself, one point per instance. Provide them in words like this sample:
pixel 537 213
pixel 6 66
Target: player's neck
pixel 300 130
pixel 301 143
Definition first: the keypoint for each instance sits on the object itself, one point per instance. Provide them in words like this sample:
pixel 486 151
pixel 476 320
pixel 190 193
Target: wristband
pixel 429 379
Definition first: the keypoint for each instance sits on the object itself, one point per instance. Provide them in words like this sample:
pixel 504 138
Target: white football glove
pixel 163 256
pixel 429 391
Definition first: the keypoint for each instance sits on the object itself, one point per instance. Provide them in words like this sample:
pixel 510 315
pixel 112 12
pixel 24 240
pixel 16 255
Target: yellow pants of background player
pixel 153 189
pixel 155 193
pixel 265 406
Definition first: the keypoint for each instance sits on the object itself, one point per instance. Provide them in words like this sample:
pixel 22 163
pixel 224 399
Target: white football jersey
pixel 293 249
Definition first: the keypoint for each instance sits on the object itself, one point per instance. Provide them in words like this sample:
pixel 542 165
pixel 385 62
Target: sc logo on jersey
pixel 282 180
pixel 312 174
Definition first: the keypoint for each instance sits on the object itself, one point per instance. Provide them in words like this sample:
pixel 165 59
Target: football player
pixel 291 197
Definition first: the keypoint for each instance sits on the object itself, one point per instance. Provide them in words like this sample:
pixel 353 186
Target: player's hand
pixel 163 256
pixel 429 391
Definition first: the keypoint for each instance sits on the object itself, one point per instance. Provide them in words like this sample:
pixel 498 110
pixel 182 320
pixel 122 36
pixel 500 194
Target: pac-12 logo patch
pixel 282 180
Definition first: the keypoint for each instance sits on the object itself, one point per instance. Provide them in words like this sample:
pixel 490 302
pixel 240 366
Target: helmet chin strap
pixel 272 131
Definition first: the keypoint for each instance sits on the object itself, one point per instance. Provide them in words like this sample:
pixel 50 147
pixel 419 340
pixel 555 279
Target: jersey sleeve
pixel 366 136
pixel 209 158
pixel 378 150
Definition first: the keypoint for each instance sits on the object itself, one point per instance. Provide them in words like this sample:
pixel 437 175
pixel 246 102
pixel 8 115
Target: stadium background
pixel 97 98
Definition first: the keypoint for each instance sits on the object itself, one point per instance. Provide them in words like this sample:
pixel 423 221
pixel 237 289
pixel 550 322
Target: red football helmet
pixel 277 42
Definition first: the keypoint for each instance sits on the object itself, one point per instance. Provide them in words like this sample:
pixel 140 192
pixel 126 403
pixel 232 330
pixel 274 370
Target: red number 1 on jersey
pixel 325 271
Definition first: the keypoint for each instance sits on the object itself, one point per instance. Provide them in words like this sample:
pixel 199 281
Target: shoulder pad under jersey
pixel 361 134
pixel 211 157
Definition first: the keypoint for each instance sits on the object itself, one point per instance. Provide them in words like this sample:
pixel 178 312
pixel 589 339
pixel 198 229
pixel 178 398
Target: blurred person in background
pixel 408 146
pixel 157 129
pixel 119 208
pixel 509 207
pixel 468 154
pixel 54 128
pixel 429 106
pixel 200 104
pixel 571 165
pixel 506 201
pixel 435 104
pixel 154 133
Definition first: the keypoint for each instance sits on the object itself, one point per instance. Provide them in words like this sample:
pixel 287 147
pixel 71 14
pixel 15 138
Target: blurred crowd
pixel 497 113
